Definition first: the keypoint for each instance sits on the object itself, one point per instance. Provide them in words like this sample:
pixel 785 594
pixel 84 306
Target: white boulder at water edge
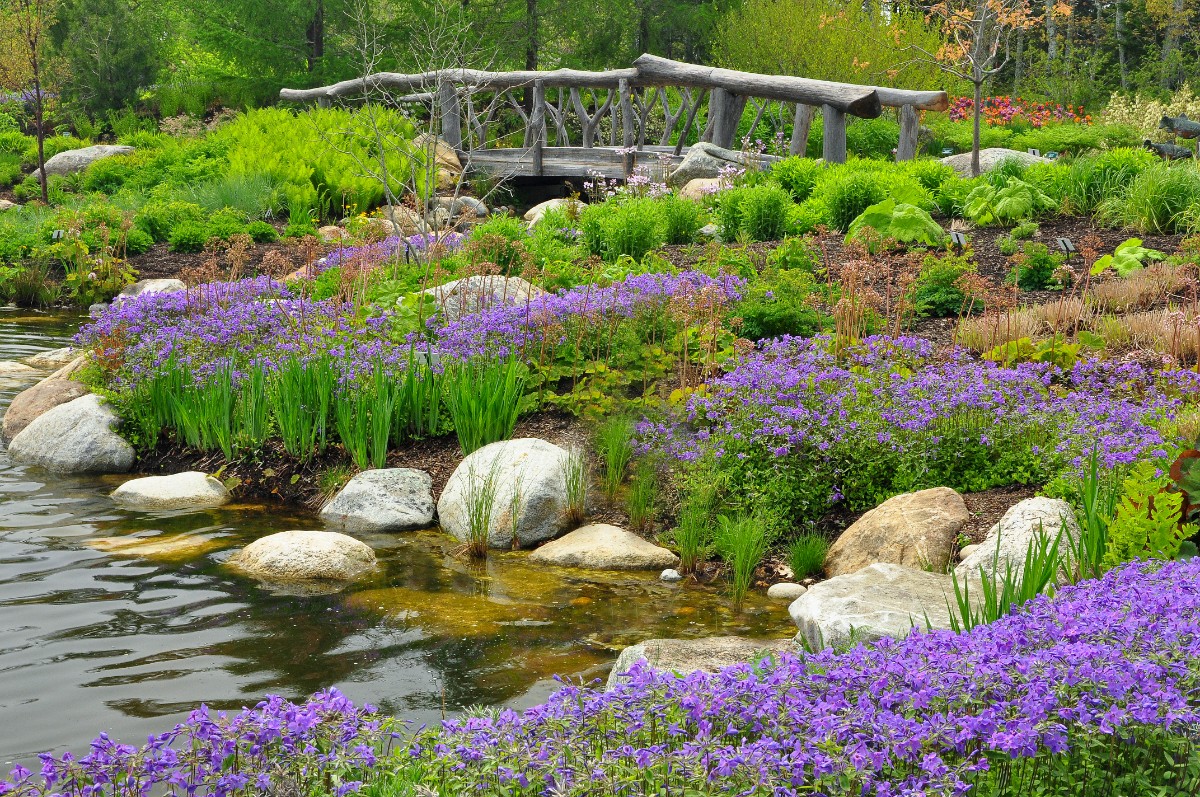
pixel 76 437
pixel 877 601
pixel 190 490
pixel 532 468
pixel 604 547
pixel 299 556
pixel 389 499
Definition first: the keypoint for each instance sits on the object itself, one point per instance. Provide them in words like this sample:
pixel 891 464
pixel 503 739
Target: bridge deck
pixel 576 162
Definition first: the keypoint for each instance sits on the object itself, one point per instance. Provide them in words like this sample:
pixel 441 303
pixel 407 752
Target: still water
pixel 120 621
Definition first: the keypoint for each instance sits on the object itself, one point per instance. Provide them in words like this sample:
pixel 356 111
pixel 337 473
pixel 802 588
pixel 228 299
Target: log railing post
pixel 910 128
pixel 450 114
pixel 724 116
pixel 537 125
pixel 800 128
pixel 834 144
pixel 627 139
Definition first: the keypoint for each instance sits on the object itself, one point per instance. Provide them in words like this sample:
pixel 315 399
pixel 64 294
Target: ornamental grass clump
pixel 1092 693
pixel 614 444
pixel 806 554
pixel 483 398
pixel 742 543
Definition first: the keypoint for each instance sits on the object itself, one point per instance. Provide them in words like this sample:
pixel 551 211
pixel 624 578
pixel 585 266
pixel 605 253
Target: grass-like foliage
pixel 614 444
pixel 1002 587
pixel 301 397
pixel 1091 693
pixel 741 541
pixel 480 503
pixel 483 398
pixel 642 500
pixel 575 485
pixel 806 554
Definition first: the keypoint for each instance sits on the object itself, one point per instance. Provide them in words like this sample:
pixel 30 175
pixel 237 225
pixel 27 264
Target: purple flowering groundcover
pixel 1093 692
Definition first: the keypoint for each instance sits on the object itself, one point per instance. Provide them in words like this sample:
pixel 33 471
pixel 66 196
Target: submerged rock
pixel 75 437
pixel 289 556
pixel 604 547
pixel 389 499
pixel 163 547
pixel 1017 529
pixel 533 468
pixel 76 160
pixel 877 601
pixel 709 654
pixel 33 402
pixel 917 530
pixel 190 490
pixel 11 368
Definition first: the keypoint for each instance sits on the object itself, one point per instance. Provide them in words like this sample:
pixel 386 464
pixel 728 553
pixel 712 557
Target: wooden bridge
pixel 570 123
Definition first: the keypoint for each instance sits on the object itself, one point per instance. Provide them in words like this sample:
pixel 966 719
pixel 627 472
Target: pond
pixel 119 621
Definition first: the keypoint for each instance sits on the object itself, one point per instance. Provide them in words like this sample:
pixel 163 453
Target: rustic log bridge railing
pixel 573 123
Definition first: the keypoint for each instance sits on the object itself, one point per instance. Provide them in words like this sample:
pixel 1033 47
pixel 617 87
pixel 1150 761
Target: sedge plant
pixel 614 444
pixel 483 397
pixel 742 542
pixel 1002 591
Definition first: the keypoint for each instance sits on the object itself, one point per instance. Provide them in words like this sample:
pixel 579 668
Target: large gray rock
pixel 55 358
pixel 1016 530
pixel 989 159
pixel 704 161
pixel 35 401
pixel 877 601
pixel 462 206
pixel 469 295
pixel 389 499
pixel 535 214
pixel 148 287
pixel 189 490
pixel 305 556
pixel 5 205
pixel 710 654
pixel 76 160
pixel 604 547
pixel 76 437
pixel 534 467
pixel 917 530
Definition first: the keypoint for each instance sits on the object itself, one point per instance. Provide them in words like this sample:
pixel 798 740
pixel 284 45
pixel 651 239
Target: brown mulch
pixel 161 263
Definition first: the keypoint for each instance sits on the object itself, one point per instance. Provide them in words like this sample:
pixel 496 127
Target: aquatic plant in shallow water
pixel 1096 691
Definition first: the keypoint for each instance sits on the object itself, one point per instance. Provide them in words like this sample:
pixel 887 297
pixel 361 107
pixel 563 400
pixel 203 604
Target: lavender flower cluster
pixel 1114 662
pixel 412 247
pixel 503 329
pixel 798 401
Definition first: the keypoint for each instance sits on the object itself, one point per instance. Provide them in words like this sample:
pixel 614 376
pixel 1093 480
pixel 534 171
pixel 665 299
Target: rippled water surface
pixel 123 621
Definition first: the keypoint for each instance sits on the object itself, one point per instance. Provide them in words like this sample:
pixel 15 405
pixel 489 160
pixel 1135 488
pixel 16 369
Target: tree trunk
pixel 1051 32
pixel 316 36
pixel 1120 31
pixel 975 170
pixel 531 35
pixel 1019 63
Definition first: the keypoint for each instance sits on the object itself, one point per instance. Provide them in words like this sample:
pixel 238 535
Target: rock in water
pixel 917 530
pixel 389 499
pixel 33 402
pixel 55 358
pixel 785 592
pixel 305 556
pixel 76 160
pixel 989 159
pixel 190 490
pixel 604 547
pixel 534 467
pixel 710 654
pixel 670 575
pixel 1016 530
pixel 877 601
pixel 75 437
pixel 11 368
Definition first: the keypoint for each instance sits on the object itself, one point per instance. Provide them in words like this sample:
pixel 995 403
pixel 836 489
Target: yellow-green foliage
pixel 1147 522
pixel 319 156
pixel 1144 113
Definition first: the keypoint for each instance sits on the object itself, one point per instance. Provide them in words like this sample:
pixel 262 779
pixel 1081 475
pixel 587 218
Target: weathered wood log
pixel 687 126
pixel 921 100
pixel 910 128
pixel 537 124
pixel 724 116
pixel 834 143
pixel 861 101
pixel 800 129
pixel 450 114
pixel 474 78
pixel 626 113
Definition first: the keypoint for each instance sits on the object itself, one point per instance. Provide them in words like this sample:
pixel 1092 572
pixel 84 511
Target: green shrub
pixel 798 175
pixel 764 212
pixel 51 147
pixel 1036 268
pixel 780 303
pixel 501 240
pixel 903 222
pixel 137 241
pixel 682 220
pixel 10 170
pixel 849 194
pixel 796 252
pixel 627 227
pixel 261 232
pixel 808 216
pixel 188 236
pixel 806 555
pixel 159 219
pixel 937 291
pixel 1024 232
pixel 226 223
pixel 1094 178
pixel 1148 519
pixel 729 213
pixel 107 175
pixel 930 173
pixel 8 124
pixel 1013 201
pixel 872 138
pixel 12 142
pixel 951 196
pixel 252 195
pixel 1158 199
pixel 300 227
